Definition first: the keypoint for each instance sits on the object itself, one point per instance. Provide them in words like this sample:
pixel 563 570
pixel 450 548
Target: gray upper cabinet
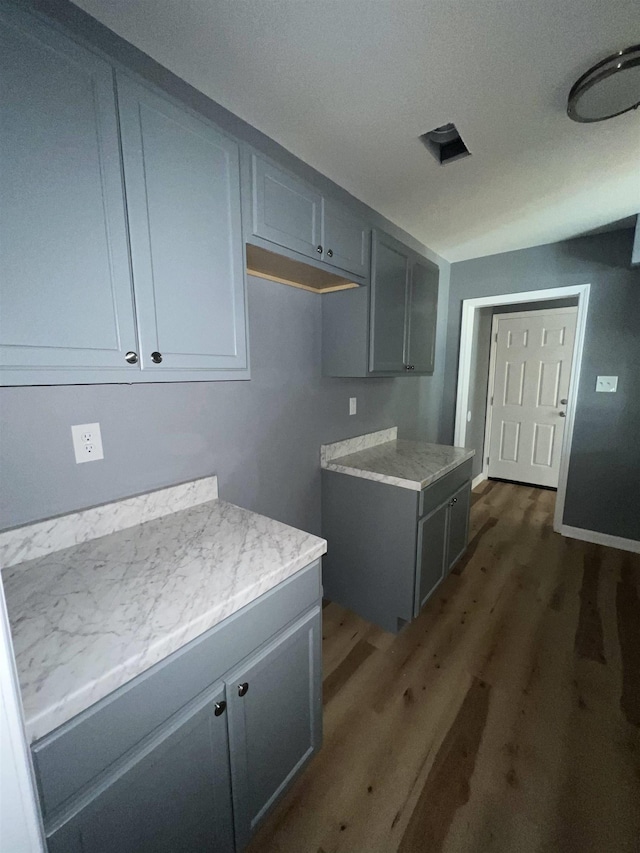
pixel 292 214
pixel 422 314
pixel 99 285
pixel 183 194
pixel 389 291
pixel 345 239
pixel 286 211
pixel 389 328
pixel 275 720
pixel 171 796
pixel 65 301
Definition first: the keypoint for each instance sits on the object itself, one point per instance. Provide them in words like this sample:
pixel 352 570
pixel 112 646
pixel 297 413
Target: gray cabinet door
pixel 421 317
pixel 275 720
pixel 431 556
pixel 389 283
pixel 183 197
pixel 346 240
pixel 286 211
pixel 66 300
pixel 173 796
pixel 458 524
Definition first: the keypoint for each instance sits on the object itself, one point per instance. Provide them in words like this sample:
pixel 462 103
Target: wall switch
pixel 608 384
pixel 87 442
pixel 353 405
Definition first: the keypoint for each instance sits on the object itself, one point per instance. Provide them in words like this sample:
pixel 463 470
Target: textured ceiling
pixel 349 85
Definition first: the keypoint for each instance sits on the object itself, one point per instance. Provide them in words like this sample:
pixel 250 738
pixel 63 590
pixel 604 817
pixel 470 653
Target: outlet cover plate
pixel 353 405
pixel 607 384
pixel 87 442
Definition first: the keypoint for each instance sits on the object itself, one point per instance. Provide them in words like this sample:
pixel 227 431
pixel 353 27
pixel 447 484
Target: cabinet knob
pixel 156 357
pixel 330 253
pixel 243 688
pixel 219 708
pixel 131 357
pixel 454 500
pixel 410 367
pixel 319 250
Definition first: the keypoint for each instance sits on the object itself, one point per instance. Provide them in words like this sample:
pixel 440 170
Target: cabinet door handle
pixel 330 253
pixel 219 708
pixel 131 357
pixel 243 688
pixel 156 357
pixel 319 250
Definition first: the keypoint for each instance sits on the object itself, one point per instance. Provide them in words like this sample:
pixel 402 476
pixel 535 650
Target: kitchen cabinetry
pixel 388 329
pixel 76 305
pixel 132 773
pixel 389 546
pixel 290 213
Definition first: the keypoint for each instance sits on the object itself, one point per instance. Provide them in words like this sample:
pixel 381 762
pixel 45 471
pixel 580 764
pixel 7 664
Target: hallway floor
pixel 505 718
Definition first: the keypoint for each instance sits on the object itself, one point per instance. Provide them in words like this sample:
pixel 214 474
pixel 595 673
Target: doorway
pixel 471 312
pixel 528 388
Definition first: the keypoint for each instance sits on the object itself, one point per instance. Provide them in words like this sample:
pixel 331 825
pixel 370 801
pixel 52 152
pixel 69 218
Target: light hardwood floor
pixel 505 718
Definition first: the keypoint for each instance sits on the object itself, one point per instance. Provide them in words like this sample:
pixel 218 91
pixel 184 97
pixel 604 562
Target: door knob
pixel 562 414
pixel 156 357
pixel 219 708
pixel 563 402
pixel 131 357
pixel 243 688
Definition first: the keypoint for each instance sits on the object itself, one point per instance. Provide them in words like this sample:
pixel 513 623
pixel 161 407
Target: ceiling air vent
pixel 445 143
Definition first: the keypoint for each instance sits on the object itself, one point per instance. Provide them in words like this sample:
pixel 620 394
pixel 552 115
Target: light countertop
pixel 382 457
pixel 88 618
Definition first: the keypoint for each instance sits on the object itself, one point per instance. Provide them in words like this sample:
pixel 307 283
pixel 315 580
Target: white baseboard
pixel 479 479
pixel 600 538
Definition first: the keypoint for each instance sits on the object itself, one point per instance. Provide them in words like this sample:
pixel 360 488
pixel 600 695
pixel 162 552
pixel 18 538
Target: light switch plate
pixel 353 405
pixel 87 442
pixel 608 384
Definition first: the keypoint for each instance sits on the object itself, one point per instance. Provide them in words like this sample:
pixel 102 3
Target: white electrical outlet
pixel 87 442
pixel 608 384
pixel 353 405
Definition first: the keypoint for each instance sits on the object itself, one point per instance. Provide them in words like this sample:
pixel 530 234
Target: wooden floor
pixel 505 718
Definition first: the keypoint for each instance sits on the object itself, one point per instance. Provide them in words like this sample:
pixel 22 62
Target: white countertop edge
pixel 45 721
pixel 31 541
pixel 415 485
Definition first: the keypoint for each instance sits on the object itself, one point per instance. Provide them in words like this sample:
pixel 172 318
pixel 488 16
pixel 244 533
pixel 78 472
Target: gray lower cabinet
pixel 288 212
pixel 173 796
pixel 274 721
pixel 100 284
pixel 192 754
pixel 389 547
pixel 389 328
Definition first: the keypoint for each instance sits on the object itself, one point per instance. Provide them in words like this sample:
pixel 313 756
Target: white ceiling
pixel 349 85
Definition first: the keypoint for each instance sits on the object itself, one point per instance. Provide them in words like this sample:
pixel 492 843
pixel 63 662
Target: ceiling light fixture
pixel 609 88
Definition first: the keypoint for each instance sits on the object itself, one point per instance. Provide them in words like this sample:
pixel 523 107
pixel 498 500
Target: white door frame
pixel 469 308
pixel 492 376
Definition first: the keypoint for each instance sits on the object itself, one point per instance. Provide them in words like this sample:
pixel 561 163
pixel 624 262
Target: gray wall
pixel 262 437
pixel 603 491
pixel 480 355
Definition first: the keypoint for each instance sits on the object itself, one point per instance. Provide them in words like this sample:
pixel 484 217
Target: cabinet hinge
pixel 495 338
pixel 487 460
pixel 491 403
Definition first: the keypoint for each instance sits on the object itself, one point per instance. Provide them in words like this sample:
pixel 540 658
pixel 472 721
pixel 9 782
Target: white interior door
pixel 531 354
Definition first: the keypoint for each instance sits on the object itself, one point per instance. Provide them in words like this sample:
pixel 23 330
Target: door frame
pixel 492 374
pixel 469 308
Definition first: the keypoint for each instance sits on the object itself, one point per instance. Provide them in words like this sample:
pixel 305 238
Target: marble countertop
pixel 88 618
pixel 381 456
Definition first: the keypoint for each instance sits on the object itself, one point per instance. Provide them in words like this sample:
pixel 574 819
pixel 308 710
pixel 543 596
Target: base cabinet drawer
pixel 174 796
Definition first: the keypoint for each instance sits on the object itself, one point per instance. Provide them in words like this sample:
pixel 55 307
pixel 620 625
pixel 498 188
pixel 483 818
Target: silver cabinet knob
pixel 156 357
pixel 563 402
pixel 319 249
pixel 330 253
pixel 243 688
pixel 131 357
pixel 410 367
pixel 219 708
pixel 562 414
